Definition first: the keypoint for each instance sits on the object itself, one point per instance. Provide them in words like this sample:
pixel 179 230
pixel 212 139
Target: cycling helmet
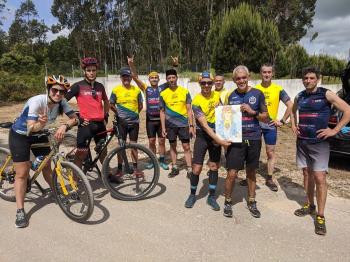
pixel 57 80
pixel 88 61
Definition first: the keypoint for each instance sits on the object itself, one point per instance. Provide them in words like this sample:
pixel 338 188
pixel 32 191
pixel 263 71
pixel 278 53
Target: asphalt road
pixel 160 228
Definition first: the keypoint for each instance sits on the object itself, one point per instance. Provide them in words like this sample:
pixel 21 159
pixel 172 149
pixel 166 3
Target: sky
pixel 331 21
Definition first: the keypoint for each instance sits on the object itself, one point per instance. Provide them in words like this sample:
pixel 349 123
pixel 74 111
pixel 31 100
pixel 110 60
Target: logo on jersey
pixel 252 100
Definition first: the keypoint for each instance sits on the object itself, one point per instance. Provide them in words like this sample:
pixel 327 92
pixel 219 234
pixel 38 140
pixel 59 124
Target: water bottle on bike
pixel 36 163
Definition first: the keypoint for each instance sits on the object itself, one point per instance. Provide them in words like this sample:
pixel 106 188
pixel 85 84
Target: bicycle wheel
pixel 135 185
pixel 68 146
pixel 73 192
pixel 7 176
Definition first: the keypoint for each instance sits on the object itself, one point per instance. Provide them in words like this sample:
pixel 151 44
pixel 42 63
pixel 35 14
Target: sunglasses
pixel 206 83
pixel 59 91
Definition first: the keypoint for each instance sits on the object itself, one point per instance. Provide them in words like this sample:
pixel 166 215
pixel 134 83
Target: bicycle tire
pixel 115 192
pixel 5 180
pixel 63 199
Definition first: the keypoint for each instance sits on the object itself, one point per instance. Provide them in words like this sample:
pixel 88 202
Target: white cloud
pixel 331 21
pixel 51 36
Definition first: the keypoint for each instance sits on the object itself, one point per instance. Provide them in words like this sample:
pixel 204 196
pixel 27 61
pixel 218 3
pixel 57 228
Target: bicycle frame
pixel 57 158
pixel 114 131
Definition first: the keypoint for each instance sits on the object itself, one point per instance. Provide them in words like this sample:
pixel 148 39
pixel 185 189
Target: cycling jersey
pixel 251 129
pixel 205 106
pixel 152 101
pixel 223 93
pixel 38 105
pixel 127 101
pixel 89 99
pixel 314 112
pixel 174 103
pixel 273 95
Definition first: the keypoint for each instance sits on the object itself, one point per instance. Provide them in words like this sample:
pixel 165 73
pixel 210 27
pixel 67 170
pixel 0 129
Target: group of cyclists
pixel 172 114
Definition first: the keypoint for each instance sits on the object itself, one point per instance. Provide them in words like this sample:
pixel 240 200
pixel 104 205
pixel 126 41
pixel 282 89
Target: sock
pixel 251 199
pixel 213 181
pixel 120 166
pixel 134 165
pixel 228 201
pixel 161 159
pixel 194 183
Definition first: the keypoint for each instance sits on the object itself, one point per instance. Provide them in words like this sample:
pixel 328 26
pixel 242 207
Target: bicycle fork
pixel 72 183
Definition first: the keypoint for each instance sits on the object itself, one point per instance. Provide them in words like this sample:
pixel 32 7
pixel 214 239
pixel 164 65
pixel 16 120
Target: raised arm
pixel 134 74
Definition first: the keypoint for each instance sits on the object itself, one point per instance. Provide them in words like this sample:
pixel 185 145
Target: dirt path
pixel 286 171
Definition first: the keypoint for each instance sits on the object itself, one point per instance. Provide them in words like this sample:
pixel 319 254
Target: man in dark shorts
pixel 93 109
pixel 153 125
pixel 314 108
pixel 203 106
pixel 247 153
pixel 177 120
pixel 126 102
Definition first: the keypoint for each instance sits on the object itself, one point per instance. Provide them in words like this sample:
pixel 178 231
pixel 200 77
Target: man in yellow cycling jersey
pixel 177 119
pixel 126 102
pixel 273 95
pixel 219 82
pixel 203 106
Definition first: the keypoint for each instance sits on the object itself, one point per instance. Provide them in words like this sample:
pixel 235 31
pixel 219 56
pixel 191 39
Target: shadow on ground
pixel 293 191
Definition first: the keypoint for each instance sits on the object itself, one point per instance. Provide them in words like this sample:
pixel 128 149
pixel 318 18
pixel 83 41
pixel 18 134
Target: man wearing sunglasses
pixel 126 102
pixel 203 106
pixel 93 109
pixel 247 153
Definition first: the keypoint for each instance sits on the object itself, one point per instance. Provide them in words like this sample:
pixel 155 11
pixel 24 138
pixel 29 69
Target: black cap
pixel 125 71
pixel 170 72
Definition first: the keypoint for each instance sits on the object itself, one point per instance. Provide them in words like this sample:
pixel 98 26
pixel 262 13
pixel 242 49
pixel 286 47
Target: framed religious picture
pixel 228 124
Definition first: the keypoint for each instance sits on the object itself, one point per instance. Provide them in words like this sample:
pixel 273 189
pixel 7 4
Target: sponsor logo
pixel 252 100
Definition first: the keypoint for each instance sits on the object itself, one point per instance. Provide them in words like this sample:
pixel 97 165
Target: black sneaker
pixel 211 201
pixel 21 219
pixel 270 184
pixel 253 209
pixel 190 201
pixel 174 172
pixel 243 182
pixel 307 209
pixel 228 209
pixel 320 225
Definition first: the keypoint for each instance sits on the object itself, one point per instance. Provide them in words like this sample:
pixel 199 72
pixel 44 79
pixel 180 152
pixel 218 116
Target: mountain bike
pixel 133 187
pixel 71 188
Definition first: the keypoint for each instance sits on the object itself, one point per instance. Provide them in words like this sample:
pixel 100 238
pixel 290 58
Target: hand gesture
pixel 130 59
pixel 175 60
pixel 43 119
